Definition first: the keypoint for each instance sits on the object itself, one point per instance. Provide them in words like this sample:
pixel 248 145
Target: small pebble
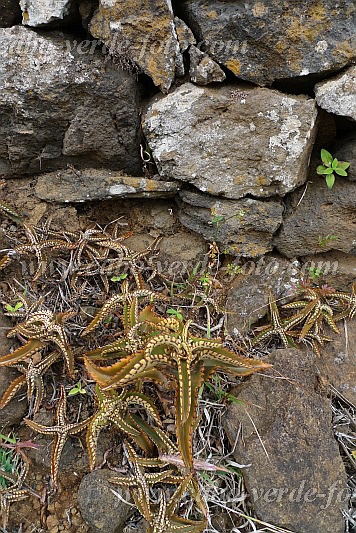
pixel 52 521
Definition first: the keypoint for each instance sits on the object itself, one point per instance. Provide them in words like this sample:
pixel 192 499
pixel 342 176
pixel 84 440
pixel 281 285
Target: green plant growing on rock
pixel 219 220
pixel 330 167
pixel 315 272
pixel 325 241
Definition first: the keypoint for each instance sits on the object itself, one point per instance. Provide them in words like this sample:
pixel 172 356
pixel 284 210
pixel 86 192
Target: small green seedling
pixel 7 459
pixel 324 241
pixel 233 270
pixel 205 280
pixel 120 277
pixel 77 389
pixel 331 165
pixel 216 389
pixel 315 272
pixel 11 309
pixel 176 313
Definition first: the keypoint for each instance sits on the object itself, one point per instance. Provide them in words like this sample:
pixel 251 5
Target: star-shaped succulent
pixel 61 431
pixel 114 408
pixel 32 377
pixel 44 327
pixel 13 493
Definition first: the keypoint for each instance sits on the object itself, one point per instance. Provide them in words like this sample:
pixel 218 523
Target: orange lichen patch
pixel 239 180
pixel 234 65
pixel 149 39
pixel 344 49
pixel 212 14
pixel 310 26
pixel 281 47
pixel 259 9
pixel 262 180
pixel 253 250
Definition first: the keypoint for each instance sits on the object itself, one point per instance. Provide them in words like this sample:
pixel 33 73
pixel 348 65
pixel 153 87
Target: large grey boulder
pixel 10 13
pixel 266 40
pixel 297 479
pixel 322 219
pixel 245 229
pixel 338 95
pixel 59 108
pixel 233 140
pixel 143 32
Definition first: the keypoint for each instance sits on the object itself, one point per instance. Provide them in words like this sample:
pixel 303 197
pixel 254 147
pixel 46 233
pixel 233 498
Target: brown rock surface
pixel 248 295
pixel 93 184
pixel 10 13
pixel 301 484
pixel 143 32
pixel 320 213
pixel 247 227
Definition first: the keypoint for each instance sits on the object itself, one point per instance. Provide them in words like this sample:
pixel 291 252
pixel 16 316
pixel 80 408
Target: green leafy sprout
pixel 77 389
pixel 331 167
pixel 315 272
pixel 324 241
pixel 176 313
pixel 12 309
pixel 233 270
pixel 8 459
pixel 120 277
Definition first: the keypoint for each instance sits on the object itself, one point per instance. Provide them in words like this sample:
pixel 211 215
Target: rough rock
pixel 264 41
pixel 338 363
pixel 184 34
pixel 180 253
pixel 232 140
pixel 338 95
pixel 59 108
pixel 303 472
pixel 203 70
pixel 322 212
pixel 111 513
pixel 92 184
pixel 13 413
pixel 143 32
pixel 339 269
pixel 346 151
pixel 10 13
pixel 185 39
pixel 248 295
pixel 42 12
pixel 247 227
